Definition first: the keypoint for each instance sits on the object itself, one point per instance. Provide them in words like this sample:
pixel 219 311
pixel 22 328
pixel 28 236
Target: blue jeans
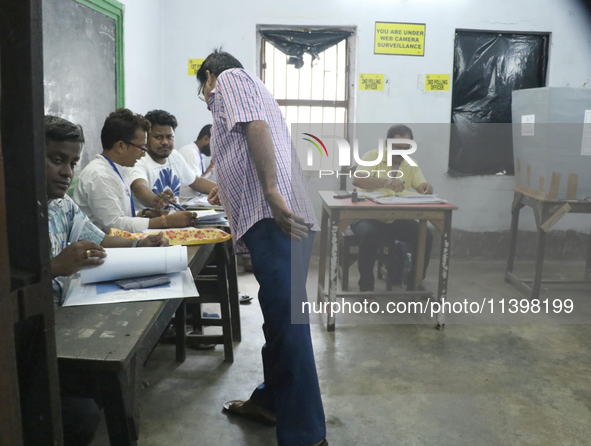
pixel 290 388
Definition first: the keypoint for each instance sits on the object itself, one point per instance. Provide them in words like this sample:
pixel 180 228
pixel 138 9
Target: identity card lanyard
pixel 126 186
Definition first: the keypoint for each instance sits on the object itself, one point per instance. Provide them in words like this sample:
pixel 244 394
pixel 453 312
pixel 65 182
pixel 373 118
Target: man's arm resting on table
pixel 424 188
pixel 202 185
pixel 111 241
pixel 262 152
pixel 148 198
pixel 142 192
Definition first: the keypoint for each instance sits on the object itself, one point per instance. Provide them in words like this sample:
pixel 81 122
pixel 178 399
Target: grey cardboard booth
pixel 552 154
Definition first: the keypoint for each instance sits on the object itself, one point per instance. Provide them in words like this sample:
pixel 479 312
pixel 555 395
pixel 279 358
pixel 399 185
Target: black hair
pixel 217 62
pixel 161 117
pixel 58 129
pixel 399 130
pixel 205 131
pixel 121 125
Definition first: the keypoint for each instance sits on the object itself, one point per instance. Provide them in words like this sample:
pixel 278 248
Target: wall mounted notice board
pixel 83 64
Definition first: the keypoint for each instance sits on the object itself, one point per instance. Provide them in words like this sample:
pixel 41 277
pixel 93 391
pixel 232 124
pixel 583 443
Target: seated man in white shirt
pixel 198 157
pixel 156 180
pixel 103 192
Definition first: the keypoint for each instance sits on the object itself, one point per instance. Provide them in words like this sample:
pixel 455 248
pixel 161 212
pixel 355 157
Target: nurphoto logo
pixel 393 146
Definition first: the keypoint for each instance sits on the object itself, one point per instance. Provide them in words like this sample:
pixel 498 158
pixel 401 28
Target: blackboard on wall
pixel 79 62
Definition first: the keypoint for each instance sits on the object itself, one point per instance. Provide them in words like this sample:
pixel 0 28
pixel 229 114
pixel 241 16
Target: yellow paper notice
pixel 407 39
pixel 194 65
pixel 436 82
pixel 373 82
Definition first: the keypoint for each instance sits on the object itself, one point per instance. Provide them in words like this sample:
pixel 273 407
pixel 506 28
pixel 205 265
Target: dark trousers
pixel 374 234
pixel 80 419
pixel 290 388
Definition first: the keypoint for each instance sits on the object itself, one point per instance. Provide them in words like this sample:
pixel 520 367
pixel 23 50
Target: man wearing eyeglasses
pixel 103 191
pixel 156 180
pixel 262 188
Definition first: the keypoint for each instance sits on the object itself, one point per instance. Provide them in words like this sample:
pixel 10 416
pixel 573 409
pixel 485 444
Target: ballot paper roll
pixel 125 263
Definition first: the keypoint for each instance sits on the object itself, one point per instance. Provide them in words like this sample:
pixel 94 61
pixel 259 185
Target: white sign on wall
pixel 528 125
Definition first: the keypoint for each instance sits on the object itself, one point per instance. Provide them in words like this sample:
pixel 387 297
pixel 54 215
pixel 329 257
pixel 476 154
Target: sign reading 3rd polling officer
pixel 371 82
pixel 404 39
pixel 437 82
pixel 194 65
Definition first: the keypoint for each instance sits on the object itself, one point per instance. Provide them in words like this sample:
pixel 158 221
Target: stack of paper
pixel 410 199
pixel 95 285
pixel 123 263
pixel 181 285
pixel 211 218
pixel 201 200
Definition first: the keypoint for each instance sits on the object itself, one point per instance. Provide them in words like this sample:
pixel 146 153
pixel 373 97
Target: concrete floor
pixel 491 380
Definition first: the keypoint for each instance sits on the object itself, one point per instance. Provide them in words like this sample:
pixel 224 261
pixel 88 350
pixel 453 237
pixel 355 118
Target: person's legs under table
pixel 372 234
pixel 407 231
pixel 80 419
pixel 290 388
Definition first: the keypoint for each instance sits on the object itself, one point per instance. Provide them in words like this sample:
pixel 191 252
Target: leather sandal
pixel 252 411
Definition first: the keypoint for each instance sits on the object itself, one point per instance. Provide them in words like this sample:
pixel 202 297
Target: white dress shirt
pixel 106 198
pixel 196 161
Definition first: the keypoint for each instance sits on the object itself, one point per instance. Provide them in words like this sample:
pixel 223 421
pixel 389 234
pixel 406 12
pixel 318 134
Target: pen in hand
pixel 177 206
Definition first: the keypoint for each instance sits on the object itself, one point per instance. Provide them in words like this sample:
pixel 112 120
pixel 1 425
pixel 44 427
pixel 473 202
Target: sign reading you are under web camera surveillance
pixel 403 39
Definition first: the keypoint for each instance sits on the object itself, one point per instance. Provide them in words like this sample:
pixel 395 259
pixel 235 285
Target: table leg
pixel 333 269
pixel 588 262
pixel 417 280
pixel 444 268
pixel 535 293
pixel 234 296
pixel 322 259
pixel 180 322
pixel 514 229
pixel 115 397
pixel 222 262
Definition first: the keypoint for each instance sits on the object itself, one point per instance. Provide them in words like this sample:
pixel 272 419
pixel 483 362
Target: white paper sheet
pixel 124 263
pixel 197 201
pixel 181 286
pixel 381 193
pixel 410 199
pixel 528 125
pixel 202 214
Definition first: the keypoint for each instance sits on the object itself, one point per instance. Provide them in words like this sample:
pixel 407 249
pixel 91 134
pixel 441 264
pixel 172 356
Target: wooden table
pixel 101 350
pixel 547 213
pixel 337 214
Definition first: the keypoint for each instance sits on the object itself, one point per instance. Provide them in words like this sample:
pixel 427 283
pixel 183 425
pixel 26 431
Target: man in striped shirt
pixel 262 189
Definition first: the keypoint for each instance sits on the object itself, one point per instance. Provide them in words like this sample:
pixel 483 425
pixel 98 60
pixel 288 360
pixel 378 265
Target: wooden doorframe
pixel 30 411
pixel 10 416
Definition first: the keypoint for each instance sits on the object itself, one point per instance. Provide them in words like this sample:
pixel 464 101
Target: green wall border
pixel 113 9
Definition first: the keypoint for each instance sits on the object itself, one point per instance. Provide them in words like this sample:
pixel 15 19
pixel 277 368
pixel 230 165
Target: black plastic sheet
pixel 296 43
pixel 487 68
